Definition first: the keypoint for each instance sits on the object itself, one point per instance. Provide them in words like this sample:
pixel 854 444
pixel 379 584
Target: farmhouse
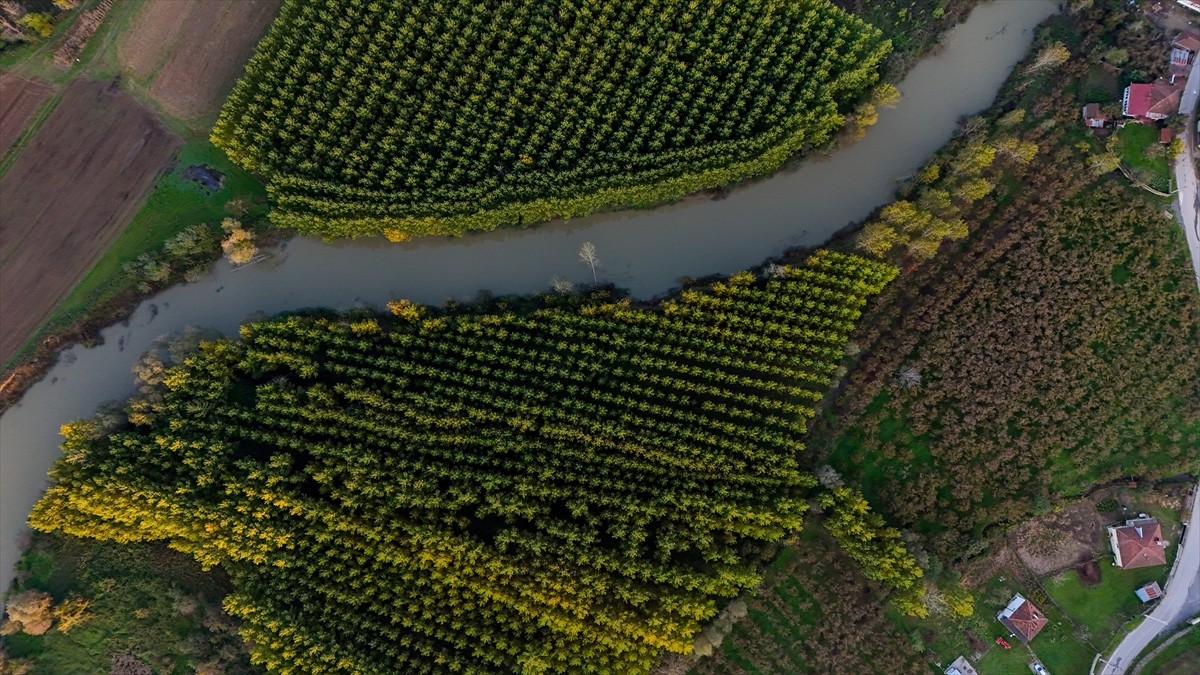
pixel 1183 52
pixel 1022 618
pixel 1151 102
pixel 1151 591
pixel 1092 117
pixel 1137 543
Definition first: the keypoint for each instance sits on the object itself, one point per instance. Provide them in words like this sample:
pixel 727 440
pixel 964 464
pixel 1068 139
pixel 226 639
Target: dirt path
pixel 68 195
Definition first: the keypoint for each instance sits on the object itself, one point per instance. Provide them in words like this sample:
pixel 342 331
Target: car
pixel 1038 668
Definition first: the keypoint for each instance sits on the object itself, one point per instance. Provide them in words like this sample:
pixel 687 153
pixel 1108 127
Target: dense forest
pixel 567 487
pixel 1053 349
pixel 441 117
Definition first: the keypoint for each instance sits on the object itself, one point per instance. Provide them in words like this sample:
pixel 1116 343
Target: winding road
pixel 1181 599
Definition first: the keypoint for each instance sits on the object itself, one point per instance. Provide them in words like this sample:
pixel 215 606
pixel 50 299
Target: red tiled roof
pixel 1188 40
pixel 1141 545
pixel 1165 135
pixel 1138 99
pixel 1152 101
pixel 1026 621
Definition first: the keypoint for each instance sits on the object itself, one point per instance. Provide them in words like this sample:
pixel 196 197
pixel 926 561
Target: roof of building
pixel 1154 100
pixel 1165 98
pixel 1022 618
pixel 961 666
pixel 1138 95
pixel 1188 39
pixel 1092 111
pixel 1165 135
pixel 1139 543
pixel 1151 591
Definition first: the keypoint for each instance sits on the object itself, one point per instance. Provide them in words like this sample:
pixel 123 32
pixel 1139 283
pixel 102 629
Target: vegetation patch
pixel 571 486
pixel 99 599
pixel 1143 156
pixel 1178 658
pixel 443 117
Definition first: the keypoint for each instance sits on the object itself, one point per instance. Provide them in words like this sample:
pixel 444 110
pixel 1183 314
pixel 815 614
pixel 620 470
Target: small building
pixel 1151 102
pixel 1151 591
pixel 1190 4
pixel 1183 52
pixel 1022 618
pixel 961 666
pixel 1165 135
pixel 1092 117
pixel 1137 543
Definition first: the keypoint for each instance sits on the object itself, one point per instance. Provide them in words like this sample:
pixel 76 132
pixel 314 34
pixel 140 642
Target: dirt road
pixel 68 194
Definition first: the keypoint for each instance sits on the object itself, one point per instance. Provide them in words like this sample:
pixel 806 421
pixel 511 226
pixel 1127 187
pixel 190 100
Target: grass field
pixel 1180 658
pixel 1141 153
pixel 1108 605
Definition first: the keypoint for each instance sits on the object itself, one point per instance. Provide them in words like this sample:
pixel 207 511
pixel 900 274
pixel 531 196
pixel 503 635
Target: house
pixel 1183 52
pixel 1137 543
pixel 1022 618
pixel 1151 102
pixel 1092 117
pixel 1190 4
pixel 961 667
pixel 1151 591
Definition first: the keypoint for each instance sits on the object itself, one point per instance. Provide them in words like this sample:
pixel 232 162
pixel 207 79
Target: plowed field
pixel 19 99
pixel 188 53
pixel 67 196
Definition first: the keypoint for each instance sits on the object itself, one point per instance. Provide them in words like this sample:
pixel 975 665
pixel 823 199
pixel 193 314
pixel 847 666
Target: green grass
pixel 1132 143
pixel 1101 85
pixel 1105 607
pixel 1179 658
pixel 174 203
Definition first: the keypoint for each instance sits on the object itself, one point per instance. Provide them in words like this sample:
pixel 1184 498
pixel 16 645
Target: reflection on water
pixel 644 251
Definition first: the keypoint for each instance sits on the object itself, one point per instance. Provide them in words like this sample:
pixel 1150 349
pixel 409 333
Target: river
pixel 643 251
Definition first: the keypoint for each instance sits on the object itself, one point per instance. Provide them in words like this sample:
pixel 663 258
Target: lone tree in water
pixel 587 253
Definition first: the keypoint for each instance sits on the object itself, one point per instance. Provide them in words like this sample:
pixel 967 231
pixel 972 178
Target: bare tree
pixel 562 286
pixel 775 271
pixel 587 253
pixel 1051 56
pixel 909 376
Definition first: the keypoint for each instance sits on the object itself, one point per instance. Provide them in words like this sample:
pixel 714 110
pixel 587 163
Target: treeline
pixel 443 117
pixel 567 488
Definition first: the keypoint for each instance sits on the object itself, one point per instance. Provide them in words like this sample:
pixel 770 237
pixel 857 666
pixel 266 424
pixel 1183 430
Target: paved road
pixel 1185 171
pixel 1176 604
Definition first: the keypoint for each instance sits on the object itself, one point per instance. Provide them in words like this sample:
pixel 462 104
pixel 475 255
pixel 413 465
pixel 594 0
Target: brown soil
pixel 67 196
pixel 976 643
pixel 1057 541
pixel 19 99
pixel 1089 573
pixel 188 53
